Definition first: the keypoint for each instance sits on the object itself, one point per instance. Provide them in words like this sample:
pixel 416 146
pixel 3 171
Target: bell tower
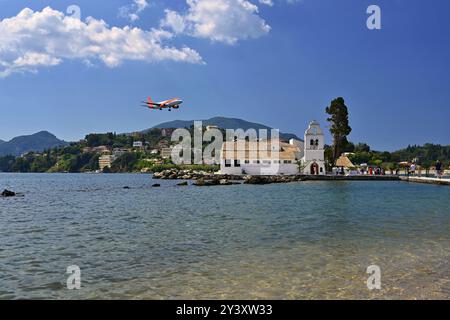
pixel 313 161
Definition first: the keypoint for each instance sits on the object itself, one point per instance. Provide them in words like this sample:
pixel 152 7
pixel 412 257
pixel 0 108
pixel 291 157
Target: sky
pixel 275 62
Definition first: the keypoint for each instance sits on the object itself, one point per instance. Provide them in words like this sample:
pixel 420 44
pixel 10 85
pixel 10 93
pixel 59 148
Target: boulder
pixel 183 184
pixel 8 193
pixel 199 183
pixel 156 185
pixel 225 182
pixel 257 180
pixel 214 182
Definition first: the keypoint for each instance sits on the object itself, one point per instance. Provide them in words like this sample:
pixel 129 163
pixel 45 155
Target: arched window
pixel 311 143
pixel 317 142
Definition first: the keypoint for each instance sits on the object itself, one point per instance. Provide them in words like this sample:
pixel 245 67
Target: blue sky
pixel 280 65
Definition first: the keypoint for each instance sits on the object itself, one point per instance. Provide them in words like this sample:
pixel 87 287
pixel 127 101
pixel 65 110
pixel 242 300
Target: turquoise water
pixel 307 240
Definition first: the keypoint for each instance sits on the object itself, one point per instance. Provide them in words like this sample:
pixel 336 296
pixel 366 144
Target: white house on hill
pixel 271 157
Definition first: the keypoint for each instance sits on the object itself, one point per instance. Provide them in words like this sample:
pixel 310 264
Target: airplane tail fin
pixel 150 101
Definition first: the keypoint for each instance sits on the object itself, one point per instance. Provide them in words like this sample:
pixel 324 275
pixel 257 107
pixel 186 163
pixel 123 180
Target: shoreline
pixel 213 179
pixel 426 180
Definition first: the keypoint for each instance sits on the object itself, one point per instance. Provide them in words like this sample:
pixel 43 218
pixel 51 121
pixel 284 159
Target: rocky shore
pixel 175 174
pixel 203 178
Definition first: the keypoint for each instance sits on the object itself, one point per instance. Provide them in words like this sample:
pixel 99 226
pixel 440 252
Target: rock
pixel 183 184
pixel 214 182
pixel 257 180
pixel 156 185
pixel 157 175
pixel 225 182
pixel 7 193
pixel 126 187
pixel 199 183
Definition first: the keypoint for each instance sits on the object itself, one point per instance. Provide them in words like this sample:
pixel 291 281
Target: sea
pixel 305 240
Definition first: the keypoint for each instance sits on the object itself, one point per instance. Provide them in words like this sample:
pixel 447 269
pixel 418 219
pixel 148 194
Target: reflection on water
pixel 305 240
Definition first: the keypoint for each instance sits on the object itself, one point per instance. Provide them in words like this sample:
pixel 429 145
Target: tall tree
pixel 340 127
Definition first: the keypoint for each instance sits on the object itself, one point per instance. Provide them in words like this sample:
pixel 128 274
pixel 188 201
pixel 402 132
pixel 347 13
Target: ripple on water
pixel 293 241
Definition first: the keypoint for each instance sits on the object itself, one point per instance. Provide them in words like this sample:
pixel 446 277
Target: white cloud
pixel 32 40
pixel 226 21
pixel 133 10
pixel 266 2
pixel 174 21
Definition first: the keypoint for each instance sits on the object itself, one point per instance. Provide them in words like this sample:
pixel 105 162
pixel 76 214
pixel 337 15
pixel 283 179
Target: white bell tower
pixel 313 161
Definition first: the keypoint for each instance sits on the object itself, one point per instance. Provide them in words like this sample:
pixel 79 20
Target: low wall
pixel 352 178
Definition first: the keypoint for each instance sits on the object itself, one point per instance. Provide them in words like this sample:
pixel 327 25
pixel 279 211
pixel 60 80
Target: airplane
pixel 167 104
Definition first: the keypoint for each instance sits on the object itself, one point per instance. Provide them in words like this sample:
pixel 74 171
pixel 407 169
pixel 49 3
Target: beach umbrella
pixel 345 162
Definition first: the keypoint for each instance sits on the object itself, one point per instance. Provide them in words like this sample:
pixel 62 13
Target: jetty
pixel 444 182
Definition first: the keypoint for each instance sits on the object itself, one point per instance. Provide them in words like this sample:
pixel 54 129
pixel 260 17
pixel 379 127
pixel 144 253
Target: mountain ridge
pixel 37 142
pixel 221 122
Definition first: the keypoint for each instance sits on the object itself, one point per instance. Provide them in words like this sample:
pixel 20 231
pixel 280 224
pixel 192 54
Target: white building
pixel 166 153
pixel 273 157
pixel 106 161
pixel 138 144
pixel 210 127
pixel 313 160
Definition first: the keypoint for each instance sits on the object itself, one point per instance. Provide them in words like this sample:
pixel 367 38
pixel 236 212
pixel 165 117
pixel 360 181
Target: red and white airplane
pixel 167 104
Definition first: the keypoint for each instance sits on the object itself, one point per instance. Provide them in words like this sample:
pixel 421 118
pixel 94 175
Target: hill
pixel 222 122
pixel 36 142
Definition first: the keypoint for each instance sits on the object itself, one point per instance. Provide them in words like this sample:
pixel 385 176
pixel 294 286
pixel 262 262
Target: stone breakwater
pixel 175 174
pixel 203 178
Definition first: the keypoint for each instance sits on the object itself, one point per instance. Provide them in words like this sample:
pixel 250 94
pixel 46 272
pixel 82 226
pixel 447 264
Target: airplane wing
pixel 150 106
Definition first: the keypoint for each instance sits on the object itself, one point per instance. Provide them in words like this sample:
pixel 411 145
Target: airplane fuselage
pixel 173 103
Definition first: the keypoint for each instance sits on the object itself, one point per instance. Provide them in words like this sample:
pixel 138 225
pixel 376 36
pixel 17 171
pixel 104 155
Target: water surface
pixel 307 240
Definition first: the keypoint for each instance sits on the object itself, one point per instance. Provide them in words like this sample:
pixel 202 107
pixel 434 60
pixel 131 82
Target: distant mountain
pixel 35 142
pixel 222 122
pixel 1 141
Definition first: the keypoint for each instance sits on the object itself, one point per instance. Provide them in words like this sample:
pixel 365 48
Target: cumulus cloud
pixel 32 40
pixel 226 21
pixel 133 10
pixel 174 21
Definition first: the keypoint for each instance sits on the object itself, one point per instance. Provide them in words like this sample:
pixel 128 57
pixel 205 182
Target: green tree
pixel 125 163
pixel 362 147
pixel 340 127
pixel 6 163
